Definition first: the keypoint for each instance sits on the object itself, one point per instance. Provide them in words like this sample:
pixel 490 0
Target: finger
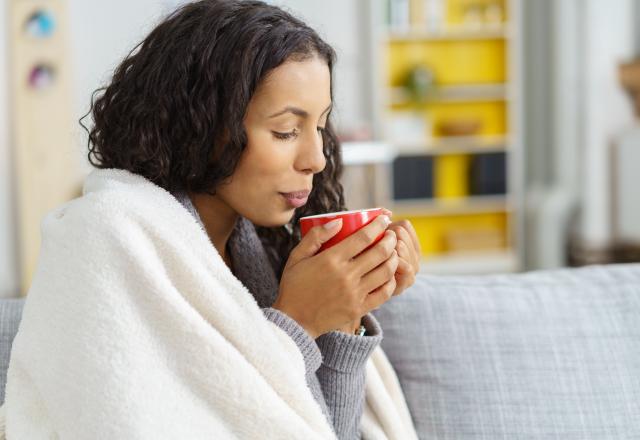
pixel 405 254
pixel 313 240
pixel 381 295
pixel 402 233
pixel 378 254
pixel 363 238
pixel 380 275
pixel 404 236
pixel 411 237
pixel 404 267
pixel 414 236
pixel 405 276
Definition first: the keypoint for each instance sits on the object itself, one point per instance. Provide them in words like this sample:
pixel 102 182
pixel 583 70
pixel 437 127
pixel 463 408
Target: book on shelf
pixel 441 17
pixel 405 15
pixel 449 176
pixel 488 174
pixel 399 18
pixel 413 177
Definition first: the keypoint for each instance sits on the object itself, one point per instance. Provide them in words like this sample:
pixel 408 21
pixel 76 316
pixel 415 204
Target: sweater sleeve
pixel 342 375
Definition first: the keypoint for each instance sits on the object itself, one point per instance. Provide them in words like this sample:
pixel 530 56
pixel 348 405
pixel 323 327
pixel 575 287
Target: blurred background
pixel 505 130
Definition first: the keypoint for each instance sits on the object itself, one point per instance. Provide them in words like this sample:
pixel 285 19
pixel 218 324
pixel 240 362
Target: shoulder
pixel 117 205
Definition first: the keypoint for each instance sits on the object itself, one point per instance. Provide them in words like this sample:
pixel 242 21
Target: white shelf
pixel 471 263
pixel 483 32
pixel 458 206
pixel 455 145
pixel 363 153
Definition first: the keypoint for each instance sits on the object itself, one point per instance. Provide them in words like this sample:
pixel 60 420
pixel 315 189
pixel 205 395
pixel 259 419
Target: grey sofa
pixel 540 355
pixel 10 313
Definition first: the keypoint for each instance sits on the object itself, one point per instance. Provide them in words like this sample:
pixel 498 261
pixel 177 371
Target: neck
pixel 219 221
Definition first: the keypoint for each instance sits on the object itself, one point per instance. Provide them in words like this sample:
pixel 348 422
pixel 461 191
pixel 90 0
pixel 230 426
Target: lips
pixel 301 194
pixel 296 199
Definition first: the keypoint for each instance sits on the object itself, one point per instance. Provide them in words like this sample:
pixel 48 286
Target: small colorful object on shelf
pixel 493 14
pixel 629 75
pixel 473 15
pixel 460 126
pixel 40 24
pixel 419 83
pixel 41 77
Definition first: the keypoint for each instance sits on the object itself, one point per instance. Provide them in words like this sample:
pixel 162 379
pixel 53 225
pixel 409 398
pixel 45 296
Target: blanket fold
pixel 135 328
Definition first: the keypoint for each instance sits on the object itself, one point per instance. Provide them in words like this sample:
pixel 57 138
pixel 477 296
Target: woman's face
pixel 283 122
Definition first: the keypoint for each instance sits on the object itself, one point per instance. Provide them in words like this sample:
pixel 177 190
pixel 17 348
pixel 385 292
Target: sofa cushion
pixel 552 354
pixel 10 314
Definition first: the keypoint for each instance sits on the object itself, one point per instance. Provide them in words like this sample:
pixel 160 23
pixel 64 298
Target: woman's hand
pixel 335 288
pixel 408 249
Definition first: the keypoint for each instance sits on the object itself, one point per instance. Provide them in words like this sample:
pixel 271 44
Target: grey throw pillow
pixel 542 355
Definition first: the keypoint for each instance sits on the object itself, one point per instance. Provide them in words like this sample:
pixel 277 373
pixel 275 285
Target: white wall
pixel 102 33
pixel 609 40
pixel 636 19
pixel 575 109
pixel 343 25
pixel 8 270
pixel 97 45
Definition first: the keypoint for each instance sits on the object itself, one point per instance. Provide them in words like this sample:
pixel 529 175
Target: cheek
pixel 263 165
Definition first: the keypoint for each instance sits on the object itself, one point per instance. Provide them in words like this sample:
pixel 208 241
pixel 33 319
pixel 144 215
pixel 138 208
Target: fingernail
pixel 386 219
pixel 332 224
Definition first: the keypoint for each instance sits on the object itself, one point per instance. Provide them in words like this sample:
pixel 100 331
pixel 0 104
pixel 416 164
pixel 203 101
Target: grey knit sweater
pixel 334 362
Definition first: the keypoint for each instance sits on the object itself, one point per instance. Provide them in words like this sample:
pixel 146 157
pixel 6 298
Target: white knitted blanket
pixel 134 328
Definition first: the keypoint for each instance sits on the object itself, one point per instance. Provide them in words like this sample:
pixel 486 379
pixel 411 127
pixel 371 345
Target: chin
pixel 274 220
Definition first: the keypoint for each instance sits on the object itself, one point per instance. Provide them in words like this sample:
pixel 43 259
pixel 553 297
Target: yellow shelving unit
pixel 470 59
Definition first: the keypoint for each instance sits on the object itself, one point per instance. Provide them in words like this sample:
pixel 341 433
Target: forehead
pixel 306 84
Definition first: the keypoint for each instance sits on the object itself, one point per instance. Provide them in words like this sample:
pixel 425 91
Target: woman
pixel 216 131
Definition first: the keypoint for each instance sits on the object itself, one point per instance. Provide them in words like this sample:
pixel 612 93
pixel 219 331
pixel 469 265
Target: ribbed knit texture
pixel 334 362
pixel 342 369
pixel 347 353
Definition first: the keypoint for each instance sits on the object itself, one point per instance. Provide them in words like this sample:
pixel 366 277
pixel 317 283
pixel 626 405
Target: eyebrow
pixel 298 111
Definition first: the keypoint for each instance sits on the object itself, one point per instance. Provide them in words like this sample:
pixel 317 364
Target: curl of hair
pixel 174 109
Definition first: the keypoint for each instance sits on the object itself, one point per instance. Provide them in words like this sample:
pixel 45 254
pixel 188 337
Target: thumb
pixel 314 239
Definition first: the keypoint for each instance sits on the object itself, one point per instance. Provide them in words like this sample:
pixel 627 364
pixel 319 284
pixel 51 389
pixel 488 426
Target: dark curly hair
pixel 175 107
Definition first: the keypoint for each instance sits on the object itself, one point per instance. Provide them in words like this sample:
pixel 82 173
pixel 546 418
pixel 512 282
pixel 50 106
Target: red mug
pixel 351 222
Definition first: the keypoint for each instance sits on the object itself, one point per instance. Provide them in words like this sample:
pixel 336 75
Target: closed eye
pixel 285 136
pixel 293 134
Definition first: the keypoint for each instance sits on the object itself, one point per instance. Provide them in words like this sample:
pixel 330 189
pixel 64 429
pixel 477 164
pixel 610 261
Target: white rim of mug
pixel 335 214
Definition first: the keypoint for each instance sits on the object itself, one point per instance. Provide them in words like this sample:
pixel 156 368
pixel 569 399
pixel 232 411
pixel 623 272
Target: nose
pixel 310 158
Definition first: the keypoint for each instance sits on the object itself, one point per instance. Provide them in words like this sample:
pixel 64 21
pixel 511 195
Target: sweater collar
pixel 250 261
